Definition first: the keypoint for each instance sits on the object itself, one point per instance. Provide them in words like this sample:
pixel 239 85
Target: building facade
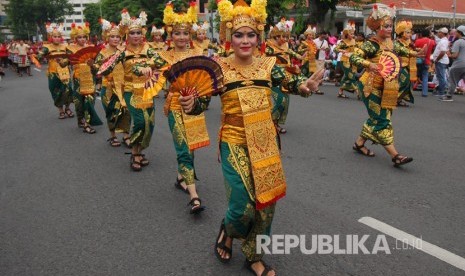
pixel 78 15
pixel 4 31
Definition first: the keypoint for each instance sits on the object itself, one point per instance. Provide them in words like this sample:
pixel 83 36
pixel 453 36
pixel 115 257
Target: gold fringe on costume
pixel 86 83
pixel 413 68
pixel 196 131
pixel 138 93
pixel 267 171
pixel 390 94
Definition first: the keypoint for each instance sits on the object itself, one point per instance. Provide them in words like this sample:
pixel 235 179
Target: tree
pixel 111 11
pixel 25 16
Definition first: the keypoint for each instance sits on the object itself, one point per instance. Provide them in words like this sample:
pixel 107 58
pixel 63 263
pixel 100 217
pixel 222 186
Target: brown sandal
pixel 88 130
pixel 114 142
pixel 400 160
pixel 62 116
pixel 358 149
pixel 135 165
pixel 69 113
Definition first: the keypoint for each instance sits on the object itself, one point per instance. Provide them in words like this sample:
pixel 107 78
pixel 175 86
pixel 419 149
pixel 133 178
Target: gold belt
pixel 233 120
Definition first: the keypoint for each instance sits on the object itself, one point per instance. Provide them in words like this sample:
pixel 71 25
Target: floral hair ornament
pixel 129 23
pixel 198 29
pixel 403 25
pixel 179 21
pixel 283 27
pixel 108 29
pixel 156 31
pixel 379 14
pixel 310 30
pixel 240 15
pixel 54 29
pixel 77 30
pixel 350 28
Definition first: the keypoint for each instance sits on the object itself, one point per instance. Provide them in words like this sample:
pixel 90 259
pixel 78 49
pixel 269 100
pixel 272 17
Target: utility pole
pixel 454 6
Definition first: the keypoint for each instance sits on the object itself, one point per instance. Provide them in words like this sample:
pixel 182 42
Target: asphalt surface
pixel 69 204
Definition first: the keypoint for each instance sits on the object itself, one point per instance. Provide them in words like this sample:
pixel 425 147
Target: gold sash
pixel 138 100
pixel 118 82
pixel 413 68
pixel 63 73
pixel 84 75
pixel 196 131
pixel 390 94
pixel 260 132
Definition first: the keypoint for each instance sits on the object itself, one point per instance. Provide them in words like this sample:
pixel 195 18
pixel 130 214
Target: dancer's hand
pixel 373 68
pixel 313 82
pixel 187 103
pixel 146 71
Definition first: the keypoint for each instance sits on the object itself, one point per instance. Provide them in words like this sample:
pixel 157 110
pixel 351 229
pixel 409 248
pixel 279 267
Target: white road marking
pixel 424 246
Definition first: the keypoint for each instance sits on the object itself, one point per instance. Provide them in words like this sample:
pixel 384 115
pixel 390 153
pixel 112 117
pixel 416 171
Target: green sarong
pixel 242 220
pixel 118 118
pixel 61 93
pixel 378 127
pixel 280 105
pixel 84 106
pixel 348 81
pixel 405 86
pixel 143 122
pixel 184 156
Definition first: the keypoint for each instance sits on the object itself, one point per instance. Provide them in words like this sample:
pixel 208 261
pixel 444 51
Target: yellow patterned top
pixel 53 53
pixel 232 130
pixel 101 57
pixel 130 58
pixel 158 46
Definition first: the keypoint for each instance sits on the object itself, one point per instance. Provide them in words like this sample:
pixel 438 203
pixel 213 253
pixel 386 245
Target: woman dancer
pixel 179 26
pixel 379 95
pixel 142 112
pixel 83 81
pixel 254 181
pixel 58 71
pixel 346 47
pixel 118 118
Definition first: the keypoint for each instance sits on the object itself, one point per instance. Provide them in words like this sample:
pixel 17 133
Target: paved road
pixel 69 205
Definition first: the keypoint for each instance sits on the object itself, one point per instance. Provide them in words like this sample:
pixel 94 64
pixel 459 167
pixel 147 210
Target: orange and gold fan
pixel 34 61
pixel 198 76
pixel 389 65
pixel 84 54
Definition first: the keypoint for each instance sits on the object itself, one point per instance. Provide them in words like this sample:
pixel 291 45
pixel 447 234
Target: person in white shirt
pixel 441 60
pixel 323 47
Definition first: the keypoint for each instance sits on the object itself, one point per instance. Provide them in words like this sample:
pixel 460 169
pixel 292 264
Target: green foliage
pixel 24 16
pixel 111 11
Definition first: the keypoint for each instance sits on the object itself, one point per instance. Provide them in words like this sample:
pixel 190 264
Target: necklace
pixel 386 44
pixel 135 51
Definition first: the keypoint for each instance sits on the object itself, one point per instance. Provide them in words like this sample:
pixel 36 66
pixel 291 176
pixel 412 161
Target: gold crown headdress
pixel 200 28
pixel 179 21
pixel 403 26
pixel 240 15
pixel 54 29
pixel 155 30
pixel 350 28
pixel 283 27
pixel 108 29
pixel 310 30
pixel 129 23
pixel 379 14
pixel 79 30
